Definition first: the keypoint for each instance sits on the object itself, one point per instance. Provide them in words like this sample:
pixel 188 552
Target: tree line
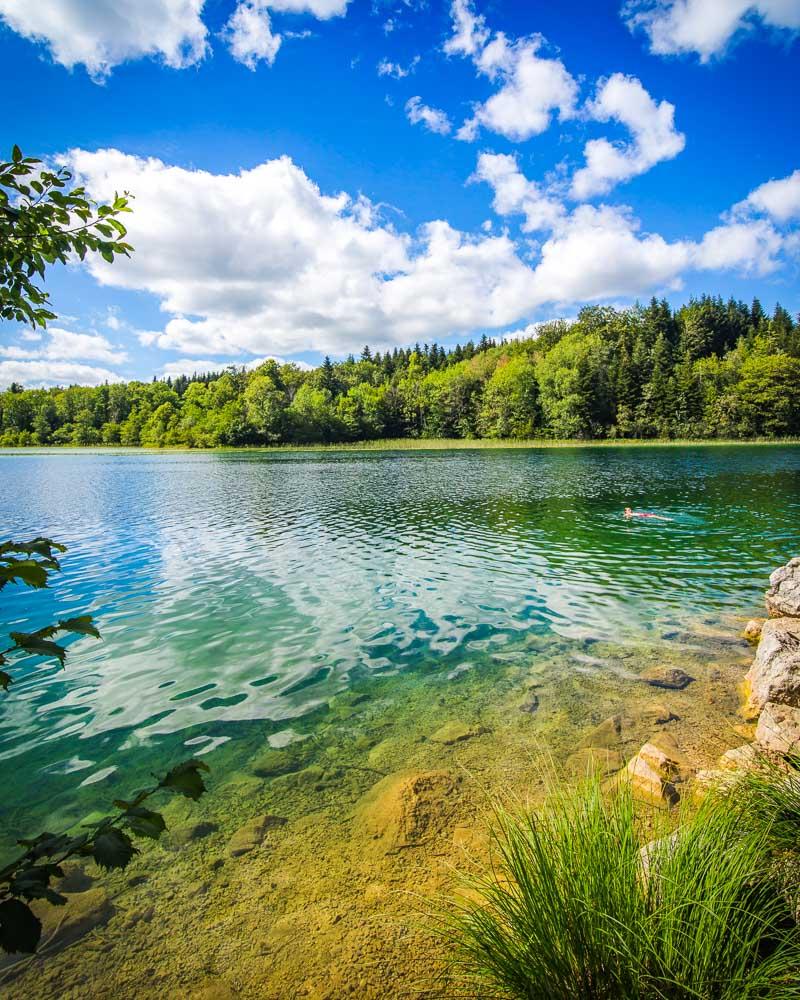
pixel 709 369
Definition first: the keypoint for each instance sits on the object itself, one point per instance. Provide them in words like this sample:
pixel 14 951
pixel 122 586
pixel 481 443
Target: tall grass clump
pixel 572 908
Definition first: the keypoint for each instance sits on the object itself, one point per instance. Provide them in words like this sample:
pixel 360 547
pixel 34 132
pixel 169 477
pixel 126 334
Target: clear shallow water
pixel 243 589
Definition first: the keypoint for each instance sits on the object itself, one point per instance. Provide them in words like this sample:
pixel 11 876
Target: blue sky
pixel 311 175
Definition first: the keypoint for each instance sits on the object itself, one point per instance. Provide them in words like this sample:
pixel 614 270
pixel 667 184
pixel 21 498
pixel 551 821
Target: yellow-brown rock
pixel 456 732
pixel 605 735
pixel 655 770
pixel 406 809
pixel 594 761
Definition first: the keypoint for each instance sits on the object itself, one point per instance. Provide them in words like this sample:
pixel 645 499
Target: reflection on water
pixel 234 587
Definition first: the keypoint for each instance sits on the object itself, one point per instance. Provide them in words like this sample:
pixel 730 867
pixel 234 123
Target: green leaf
pixel 81 626
pixel 29 571
pixel 186 779
pixel 36 646
pixel 34 883
pixel 113 849
pixel 20 929
pixel 145 822
pixel 16 154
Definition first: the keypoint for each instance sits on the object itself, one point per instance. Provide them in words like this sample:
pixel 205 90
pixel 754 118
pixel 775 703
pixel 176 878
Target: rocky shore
pixel 771 700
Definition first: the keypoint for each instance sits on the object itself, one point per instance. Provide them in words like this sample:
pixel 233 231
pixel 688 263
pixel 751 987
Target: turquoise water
pixel 237 592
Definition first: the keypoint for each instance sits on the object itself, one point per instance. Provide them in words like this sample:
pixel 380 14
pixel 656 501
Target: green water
pixel 237 592
pixel 347 606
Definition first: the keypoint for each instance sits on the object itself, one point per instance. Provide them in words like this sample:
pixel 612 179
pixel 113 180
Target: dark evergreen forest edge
pixel 711 369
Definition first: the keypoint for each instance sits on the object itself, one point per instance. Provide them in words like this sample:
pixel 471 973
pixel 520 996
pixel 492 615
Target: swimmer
pixel 628 513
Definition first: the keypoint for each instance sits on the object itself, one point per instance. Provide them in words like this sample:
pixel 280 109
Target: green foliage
pixel 571 909
pixel 109 842
pixel 31 564
pixel 42 221
pixel 709 370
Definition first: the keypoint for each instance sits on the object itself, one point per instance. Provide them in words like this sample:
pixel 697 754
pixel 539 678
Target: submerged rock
pixel 84 911
pixel 273 762
pixel 183 835
pixel 75 878
pixel 783 596
pixel 252 834
pixel 671 678
pixel 775 673
pixel 456 732
pixel 406 809
pixel 778 728
pixel 530 703
pixel 594 761
pixel 605 735
pixel 656 713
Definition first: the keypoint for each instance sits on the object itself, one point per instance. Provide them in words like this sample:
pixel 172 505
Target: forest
pixel 709 369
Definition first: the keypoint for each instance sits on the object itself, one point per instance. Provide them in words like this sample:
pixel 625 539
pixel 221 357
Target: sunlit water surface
pixel 242 587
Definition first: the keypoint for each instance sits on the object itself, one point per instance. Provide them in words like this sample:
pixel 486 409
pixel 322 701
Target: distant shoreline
pixel 417 444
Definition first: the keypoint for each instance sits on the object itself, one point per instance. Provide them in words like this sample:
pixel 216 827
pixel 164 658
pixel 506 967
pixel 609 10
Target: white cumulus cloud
pixel 652 126
pixel 249 34
pixel 65 345
pixel 433 119
pixel 186 366
pixel 532 88
pixel 322 9
pixel 264 263
pixel 779 199
pixel 601 253
pixel 35 374
pixel 705 27
pixel 470 33
pixel 104 33
pixel 514 194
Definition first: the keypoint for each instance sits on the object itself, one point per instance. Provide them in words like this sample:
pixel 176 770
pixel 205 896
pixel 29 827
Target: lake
pixel 349 603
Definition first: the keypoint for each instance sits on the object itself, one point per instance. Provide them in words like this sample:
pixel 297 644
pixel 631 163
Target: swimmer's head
pixel 628 512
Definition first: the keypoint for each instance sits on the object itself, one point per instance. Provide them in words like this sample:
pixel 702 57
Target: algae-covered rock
pixel 271 762
pixel 605 735
pixel 783 596
pixel 83 912
pixel 530 703
pixel 656 713
pixel 252 834
pixel 470 838
pixel 406 809
pixel 778 728
pixel 594 761
pixel 456 732
pixel 74 879
pixel 671 678
pixel 211 989
pixel 775 673
pixel 183 835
